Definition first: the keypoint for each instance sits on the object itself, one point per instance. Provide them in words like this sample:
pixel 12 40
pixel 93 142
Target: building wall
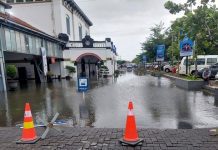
pixel 36 14
pixel 73 54
pixel 55 69
pixel 18 56
pixel 57 23
pixel 29 69
pixel 103 53
pixel 64 12
pixel 77 22
pixel 50 17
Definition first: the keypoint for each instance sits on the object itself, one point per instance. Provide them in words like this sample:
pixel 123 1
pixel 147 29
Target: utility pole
pixel 196 57
pixel 172 50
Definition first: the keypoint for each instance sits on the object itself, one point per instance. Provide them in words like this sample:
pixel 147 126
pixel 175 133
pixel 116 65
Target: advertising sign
pixel 186 47
pixel 82 84
pixel 160 53
pixel 44 60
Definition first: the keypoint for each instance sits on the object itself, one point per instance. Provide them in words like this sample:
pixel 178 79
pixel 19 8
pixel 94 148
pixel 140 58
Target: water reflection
pixel 5 116
pixel 157 103
pixel 184 114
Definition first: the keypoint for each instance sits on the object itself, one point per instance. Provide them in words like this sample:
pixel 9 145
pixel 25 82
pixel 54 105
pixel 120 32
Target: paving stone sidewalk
pixel 94 138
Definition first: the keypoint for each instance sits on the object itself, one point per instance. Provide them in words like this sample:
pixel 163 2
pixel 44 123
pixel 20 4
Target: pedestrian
pixel 93 73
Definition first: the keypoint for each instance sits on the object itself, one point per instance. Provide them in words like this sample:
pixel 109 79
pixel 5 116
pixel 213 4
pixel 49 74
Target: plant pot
pixel 49 79
pixel 12 85
pixel 68 77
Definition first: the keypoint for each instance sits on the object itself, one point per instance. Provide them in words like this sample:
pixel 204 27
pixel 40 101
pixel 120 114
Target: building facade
pixel 22 45
pixel 65 16
pixel 53 17
pixel 88 56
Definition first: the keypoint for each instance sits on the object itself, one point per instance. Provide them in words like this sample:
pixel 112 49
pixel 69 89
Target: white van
pixel 203 61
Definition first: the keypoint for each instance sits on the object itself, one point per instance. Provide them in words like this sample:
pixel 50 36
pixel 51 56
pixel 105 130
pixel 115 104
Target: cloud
pixel 126 22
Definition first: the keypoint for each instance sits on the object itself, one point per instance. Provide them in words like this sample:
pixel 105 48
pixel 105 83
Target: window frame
pixel 80 32
pixel 68 24
pixel 211 62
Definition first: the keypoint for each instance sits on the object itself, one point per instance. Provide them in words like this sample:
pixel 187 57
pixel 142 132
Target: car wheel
pixel 206 74
pixel 193 72
pixel 167 70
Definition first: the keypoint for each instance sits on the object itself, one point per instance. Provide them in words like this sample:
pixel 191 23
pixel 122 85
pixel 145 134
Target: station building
pixel 56 17
pixel 25 46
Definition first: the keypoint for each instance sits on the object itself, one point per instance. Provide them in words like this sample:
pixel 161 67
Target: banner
pixel 160 53
pixel 186 47
pixel 44 60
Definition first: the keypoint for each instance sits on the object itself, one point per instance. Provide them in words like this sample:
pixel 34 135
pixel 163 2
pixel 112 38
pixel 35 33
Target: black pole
pixel 89 70
pixel 159 67
pixel 186 64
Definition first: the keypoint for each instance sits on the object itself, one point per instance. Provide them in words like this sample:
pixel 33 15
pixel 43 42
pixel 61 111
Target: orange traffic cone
pixel 29 133
pixel 131 134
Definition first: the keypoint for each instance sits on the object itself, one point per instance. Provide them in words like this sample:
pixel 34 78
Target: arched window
pixel 68 24
pixel 80 32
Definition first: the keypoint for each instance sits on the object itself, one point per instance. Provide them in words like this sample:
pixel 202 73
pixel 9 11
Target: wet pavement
pixel 157 104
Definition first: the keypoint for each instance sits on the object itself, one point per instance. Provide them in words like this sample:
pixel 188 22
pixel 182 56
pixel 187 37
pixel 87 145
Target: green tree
pixel 156 37
pixel 201 24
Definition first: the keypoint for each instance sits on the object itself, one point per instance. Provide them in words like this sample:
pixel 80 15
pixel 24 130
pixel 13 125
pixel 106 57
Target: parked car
pixel 169 67
pixel 212 71
pixel 216 76
pixel 129 68
pixel 203 61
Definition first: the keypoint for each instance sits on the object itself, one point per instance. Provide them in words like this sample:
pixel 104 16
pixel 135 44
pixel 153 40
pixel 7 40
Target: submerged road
pixel 158 103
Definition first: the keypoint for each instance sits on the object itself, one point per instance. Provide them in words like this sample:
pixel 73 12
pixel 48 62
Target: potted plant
pixel 70 70
pixel 104 71
pixel 49 76
pixel 11 72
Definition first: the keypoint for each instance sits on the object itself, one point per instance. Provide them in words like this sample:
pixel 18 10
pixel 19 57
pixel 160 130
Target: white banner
pixel 44 60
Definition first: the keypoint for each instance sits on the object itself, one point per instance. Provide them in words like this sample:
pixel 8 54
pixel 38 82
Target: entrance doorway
pixel 87 66
pixel 22 74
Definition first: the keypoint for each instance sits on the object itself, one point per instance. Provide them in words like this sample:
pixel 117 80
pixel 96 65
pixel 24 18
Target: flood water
pixel 157 104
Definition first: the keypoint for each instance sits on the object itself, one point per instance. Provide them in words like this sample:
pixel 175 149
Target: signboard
pixel 160 53
pixel 44 60
pixel 144 59
pixel 186 47
pixel 82 84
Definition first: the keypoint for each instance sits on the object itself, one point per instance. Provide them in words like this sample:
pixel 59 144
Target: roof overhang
pixel 5 5
pixel 19 27
pixel 78 9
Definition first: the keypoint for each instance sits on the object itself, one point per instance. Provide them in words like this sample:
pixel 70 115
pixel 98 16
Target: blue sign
pixel 160 53
pixel 82 84
pixel 186 47
pixel 144 58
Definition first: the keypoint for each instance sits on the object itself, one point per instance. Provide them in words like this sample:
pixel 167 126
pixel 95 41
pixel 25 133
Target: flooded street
pixel 157 104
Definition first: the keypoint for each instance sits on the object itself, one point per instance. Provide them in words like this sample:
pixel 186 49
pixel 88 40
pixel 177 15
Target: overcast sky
pixel 126 22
